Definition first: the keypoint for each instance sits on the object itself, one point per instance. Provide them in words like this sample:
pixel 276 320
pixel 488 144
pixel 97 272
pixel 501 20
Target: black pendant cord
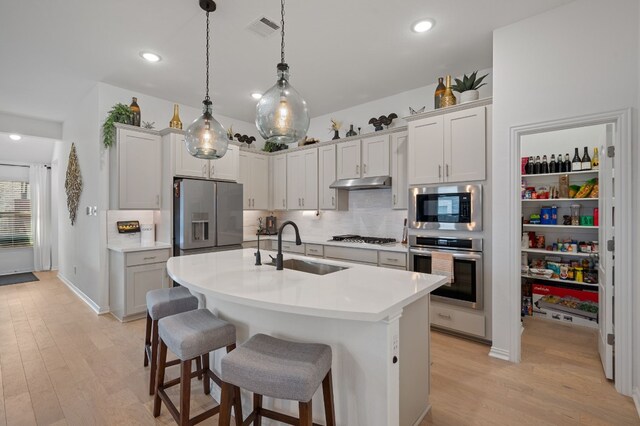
pixel 206 98
pixel 282 31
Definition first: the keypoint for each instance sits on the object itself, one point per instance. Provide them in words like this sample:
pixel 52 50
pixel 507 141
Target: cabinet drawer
pixel 290 247
pixel 392 258
pixel 314 250
pixel 147 257
pixel 351 254
pixel 466 322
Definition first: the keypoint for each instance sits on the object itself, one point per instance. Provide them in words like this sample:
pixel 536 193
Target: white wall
pixel 636 180
pixel 359 115
pixel 12 123
pixel 563 142
pixel 559 64
pixel 15 259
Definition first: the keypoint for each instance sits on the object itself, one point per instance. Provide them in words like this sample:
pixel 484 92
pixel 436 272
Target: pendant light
pixel 205 137
pixel 281 114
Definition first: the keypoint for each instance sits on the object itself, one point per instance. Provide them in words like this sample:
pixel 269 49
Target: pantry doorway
pixel 572 228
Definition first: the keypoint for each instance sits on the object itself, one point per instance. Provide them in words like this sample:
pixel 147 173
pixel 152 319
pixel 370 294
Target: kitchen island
pixel 376 321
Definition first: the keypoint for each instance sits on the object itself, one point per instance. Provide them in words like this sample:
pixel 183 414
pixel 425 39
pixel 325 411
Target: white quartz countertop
pixel 126 248
pixel 361 292
pixel 397 247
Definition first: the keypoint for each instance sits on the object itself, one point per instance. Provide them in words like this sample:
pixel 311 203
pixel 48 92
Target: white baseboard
pixel 422 416
pixel 636 399
pixel 499 353
pixel 93 305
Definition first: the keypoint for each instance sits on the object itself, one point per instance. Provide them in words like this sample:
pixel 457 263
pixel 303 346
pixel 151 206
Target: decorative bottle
pixel 448 98
pixel 437 97
pixel 135 112
pixel 595 161
pixel 586 160
pixel 351 132
pixel 175 122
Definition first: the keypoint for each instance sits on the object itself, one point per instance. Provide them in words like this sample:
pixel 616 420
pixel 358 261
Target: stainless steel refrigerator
pixel 207 216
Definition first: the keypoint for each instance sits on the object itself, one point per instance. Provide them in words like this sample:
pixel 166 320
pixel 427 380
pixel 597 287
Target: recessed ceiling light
pixel 423 25
pixel 15 137
pixel 150 57
pixel 256 95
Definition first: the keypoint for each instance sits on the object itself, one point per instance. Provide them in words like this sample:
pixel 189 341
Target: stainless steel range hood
pixel 374 182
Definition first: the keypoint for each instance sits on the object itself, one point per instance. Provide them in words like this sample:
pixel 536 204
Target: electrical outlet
pixel 88 210
pixel 94 210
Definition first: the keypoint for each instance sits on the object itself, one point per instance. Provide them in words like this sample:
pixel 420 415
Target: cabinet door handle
pixel 212 170
pixel 283 203
pixel 333 201
pixel 253 202
pixel 444 316
pixel 390 259
pixel 394 199
pixel 303 202
pixel 149 258
pixel 204 170
pixel 299 202
pixel 357 169
pixel 249 202
pixel 439 171
pixel 364 168
pixel 313 250
pixel 447 169
pixel 157 200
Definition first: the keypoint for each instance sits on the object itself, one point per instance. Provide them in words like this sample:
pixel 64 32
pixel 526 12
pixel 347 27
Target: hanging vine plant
pixel 120 113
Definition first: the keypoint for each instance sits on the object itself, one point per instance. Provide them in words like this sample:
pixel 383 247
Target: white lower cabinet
pixel 254 176
pixel 131 276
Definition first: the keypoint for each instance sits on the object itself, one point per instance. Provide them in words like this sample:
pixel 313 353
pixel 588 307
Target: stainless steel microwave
pixel 446 207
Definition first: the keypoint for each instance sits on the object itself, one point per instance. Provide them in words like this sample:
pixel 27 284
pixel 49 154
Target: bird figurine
pixel 245 138
pixel 383 120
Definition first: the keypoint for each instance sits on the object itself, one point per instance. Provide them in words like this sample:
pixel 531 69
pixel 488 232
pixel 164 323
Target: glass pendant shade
pixel 205 137
pixel 281 114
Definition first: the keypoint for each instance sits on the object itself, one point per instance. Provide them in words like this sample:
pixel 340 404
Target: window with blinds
pixel 15 214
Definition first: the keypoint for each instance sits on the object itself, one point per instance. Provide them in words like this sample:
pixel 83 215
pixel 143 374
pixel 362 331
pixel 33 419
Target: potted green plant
pixel 468 87
pixel 120 113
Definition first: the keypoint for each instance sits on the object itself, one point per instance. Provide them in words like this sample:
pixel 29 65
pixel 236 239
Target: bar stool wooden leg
pixel 257 405
pixel 154 357
pixel 327 395
pixel 199 368
pixel 225 404
pixel 185 391
pixel 147 339
pixel 306 418
pixel 206 382
pixel 157 404
pixel 237 406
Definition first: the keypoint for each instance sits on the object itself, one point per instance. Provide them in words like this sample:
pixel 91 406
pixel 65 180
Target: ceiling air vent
pixel 264 27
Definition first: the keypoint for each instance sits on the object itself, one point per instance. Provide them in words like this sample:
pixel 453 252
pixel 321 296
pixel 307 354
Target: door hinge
pixel 611 245
pixel 611 338
pixel 611 151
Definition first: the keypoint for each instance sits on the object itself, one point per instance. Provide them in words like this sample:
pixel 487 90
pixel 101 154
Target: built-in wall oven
pixel 446 207
pixel 467 286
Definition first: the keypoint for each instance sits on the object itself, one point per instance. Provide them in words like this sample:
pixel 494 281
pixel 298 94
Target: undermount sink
pixel 310 267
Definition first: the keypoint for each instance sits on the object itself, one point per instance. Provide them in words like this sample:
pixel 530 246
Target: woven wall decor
pixel 73 184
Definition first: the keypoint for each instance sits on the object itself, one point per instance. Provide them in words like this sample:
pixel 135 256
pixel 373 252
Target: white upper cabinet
pixel 226 168
pixel 136 170
pixel 254 175
pixel 348 155
pixel 279 182
pixel 326 176
pixel 375 156
pixel 302 180
pixel 399 185
pixel 448 148
pixel 465 145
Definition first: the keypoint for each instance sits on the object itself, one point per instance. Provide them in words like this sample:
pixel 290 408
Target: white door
pixel 260 182
pixel 185 163
pixel 426 152
pixel 399 187
pixel 244 177
pixel 465 145
pixel 606 205
pixel 310 182
pixel 226 168
pixel 295 178
pixel 348 154
pixel 140 169
pixel 279 183
pixel 326 176
pixel 375 156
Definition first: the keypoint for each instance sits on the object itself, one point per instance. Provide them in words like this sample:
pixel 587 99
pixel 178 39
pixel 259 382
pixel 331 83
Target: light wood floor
pixel 61 364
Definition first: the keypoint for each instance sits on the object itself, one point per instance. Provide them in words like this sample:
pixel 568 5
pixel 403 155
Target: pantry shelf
pixel 553 200
pixel 558 253
pixel 557 280
pixel 529 225
pixel 581 172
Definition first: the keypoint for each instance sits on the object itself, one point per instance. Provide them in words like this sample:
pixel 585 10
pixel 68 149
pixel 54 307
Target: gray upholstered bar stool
pixel 162 303
pixel 281 369
pixel 190 335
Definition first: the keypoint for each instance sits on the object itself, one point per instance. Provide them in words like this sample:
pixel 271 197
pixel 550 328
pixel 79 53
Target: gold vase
pixel 175 122
pixel 448 98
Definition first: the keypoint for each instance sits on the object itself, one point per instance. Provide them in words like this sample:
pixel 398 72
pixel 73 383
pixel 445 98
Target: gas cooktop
pixel 350 238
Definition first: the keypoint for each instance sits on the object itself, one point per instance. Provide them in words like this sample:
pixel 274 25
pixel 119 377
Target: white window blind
pixel 15 214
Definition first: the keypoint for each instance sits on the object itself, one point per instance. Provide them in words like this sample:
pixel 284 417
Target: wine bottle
pixel 586 160
pixel 576 163
pixel 448 98
pixel 567 163
pixel 552 164
pixel 561 166
pixel 135 112
pixel 529 168
pixel 437 96
pixel 595 161
pixel 544 167
pixel 536 166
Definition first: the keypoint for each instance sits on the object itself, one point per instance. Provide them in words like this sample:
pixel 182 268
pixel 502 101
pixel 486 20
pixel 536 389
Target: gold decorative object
pixel 175 122
pixel 448 98
pixel 73 184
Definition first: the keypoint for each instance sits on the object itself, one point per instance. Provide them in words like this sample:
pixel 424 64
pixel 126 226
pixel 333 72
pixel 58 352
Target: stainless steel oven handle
pixel 456 254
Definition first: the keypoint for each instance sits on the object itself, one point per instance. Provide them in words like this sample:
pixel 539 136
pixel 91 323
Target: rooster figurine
pixel 383 120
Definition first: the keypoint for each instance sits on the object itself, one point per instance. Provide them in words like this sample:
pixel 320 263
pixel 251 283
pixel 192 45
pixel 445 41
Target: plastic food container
pixel 575 214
